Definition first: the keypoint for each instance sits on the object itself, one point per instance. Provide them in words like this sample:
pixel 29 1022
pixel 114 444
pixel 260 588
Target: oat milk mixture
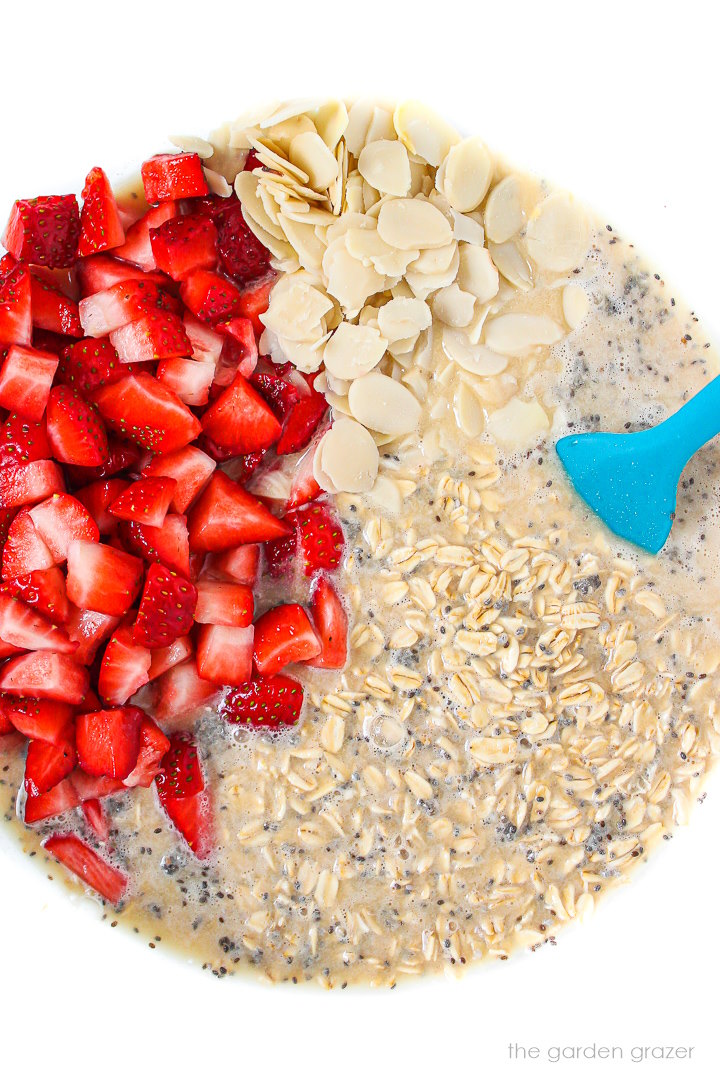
pixel 529 705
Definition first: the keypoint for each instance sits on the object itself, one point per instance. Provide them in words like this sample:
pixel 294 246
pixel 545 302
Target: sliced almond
pixel 518 333
pixel 353 351
pixel 477 273
pixel 331 121
pixel 512 264
pixel 477 359
pixel 518 423
pixel 386 166
pixel 191 144
pixel 575 304
pixel 468 228
pixel 467 173
pixel 413 223
pixel 384 405
pixel 348 456
pixel 348 280
pixel 404 318
pixel 508 206
pixel 557 233
pixel 424 132
pixel 296 308
pixel 217 183
pixel 453 306
pixel 360 115
pixel 310 153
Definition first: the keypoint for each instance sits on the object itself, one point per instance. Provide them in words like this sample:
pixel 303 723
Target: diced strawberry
pixel 254 303
pixel 25 380
pixel 179 693
pixel 96 818
pixel 206 344
pixel 272 702
pixel 122 456
pixel 154 745
pixel 59 521
pixel 49 721
pixel 77 434
pixel 47 764
pixel 180 775
pixel 189 467
pixel 124 668
pixel 108 742
pixel 184 244
pixel 58 800
pixel 81 860
pixel 9 650
pixel 52 310
pixel 284 635
pixel 143 410
pixel 100 224
pixel 100 578
pixel 99 272
pixel 164 659
pixel 280 393
pixel 97 497
pixel 146 501
pixel 23 485
pixel 24 550
pixel 88 364
pixel 23 441
pixel 44 231
pixel 331 623
pixel 241 253
pixel 137 247
pixel 225 654
pixel 111 309
pixel 154 336
pixel 15 304
pixel 210 296
pixel 223 603
pixel 319 541
pixel 168 545
pixel 44 674
pixel 240 352
pixel 166 608
pixel 225 516
pixel 43 590
pixel 193 819
pixel 189 379
pixel 239 564
pixel 94 787
pixel 173 176
pixel 302 423
pixel 26 628
pixel 89 629
pixel 241 420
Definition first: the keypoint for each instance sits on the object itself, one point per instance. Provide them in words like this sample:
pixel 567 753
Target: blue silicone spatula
pixel 631 480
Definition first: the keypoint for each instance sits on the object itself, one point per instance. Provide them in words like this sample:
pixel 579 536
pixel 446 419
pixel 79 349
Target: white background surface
pixel 617 101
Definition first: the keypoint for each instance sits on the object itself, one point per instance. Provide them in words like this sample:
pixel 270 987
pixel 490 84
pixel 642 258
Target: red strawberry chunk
pixel 15 304
pixel 206 345
pixel 44 231
pixel 100 578
pixel 100 224
pixel 239 564
pixel 168 657
pixel 124 668
pixel 254 303
pixel 43 590
pixel 331 623
pixel 281 394
pixel 77 434
pixel 241 253
pixel 173 176
pixel 225 654
pixel 319 537
pixel 52 310
pixel 59 521
pixel 47 764
pixel 58 800
pixel 141 409
pixel 99 272
pixel 94 787
pixel 81 860
pixel 240 420
pixel 166 608
pixel 154 336
pixel 45 674
pixel 97 497
pixel 146 501
pixel 23 441
pixel 137 247
pixel 48 721
pixel 108 742
pixel 168 545
pixel 302 423
pixel 272 702
pixel 88 364
pixel 24 550
pixel 284 635
pixel 181 773
pixel 25 628
pixel 210 296
pixel 190 380
pixel 122 456
pixel 193 819
pixel 184 244
pixel 89 629
pixel 25 380
pixel 223 603
pixel 179 693
pixel 225 516
pixel 190 468
pixel 125 302
pixel 96 818
pixel 240 351
pixel 24 485
pixel 154 745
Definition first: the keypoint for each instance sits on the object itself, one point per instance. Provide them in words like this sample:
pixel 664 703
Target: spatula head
pixel 629 481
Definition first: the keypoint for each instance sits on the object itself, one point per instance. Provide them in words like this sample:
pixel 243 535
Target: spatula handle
pixel 695 423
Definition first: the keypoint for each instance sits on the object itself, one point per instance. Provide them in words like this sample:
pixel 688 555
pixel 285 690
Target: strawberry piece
pixel 205 344
pixel 15 304
pixel 58 800
pixel 122 456
pixel 225 516
pixel 44 231
pixel 192 818
pixel 100 272
pixel 24 550
pixel 43 590
pixel 100 578
pixel 89 629
pixel 25 485
pixel 281 394
pixel 223 603
pixel 154 745
pixel 184 244
pixel 154 336
pixel 190 468
pixel 124 668
pixel 331 623
pixel 48 721
pixel 180 775
pixel 77 434
pixel 47 764
pixel 254 302
pixel 59 521
pixel 143 410
pixel 96 818
pixel 168 545
pixel 271 702
pixel 241 253
pixel 168 657
pixel 190 380
pixel 240 352
pixel 25 380
pixel 23 441
pixel 47 675
pixel 319 540
pixel 88 364
pixel 108 742
pixel 225 654
pixel 284 635
pixel 52 310
pixel 94 787
pixel 100 224
pixel 25 628
pixel 125 302
pixel 97 497
pixel 179 693
pixel 304 488
pixel 210 296
pixel 146 501
pixel 166 608
pixel 240 564
pixel 83 862
pixel 137 247
pixel 240 420
pixel 173 176
pixel 302 423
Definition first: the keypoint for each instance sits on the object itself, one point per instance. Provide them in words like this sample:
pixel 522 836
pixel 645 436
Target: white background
pixel 617 101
